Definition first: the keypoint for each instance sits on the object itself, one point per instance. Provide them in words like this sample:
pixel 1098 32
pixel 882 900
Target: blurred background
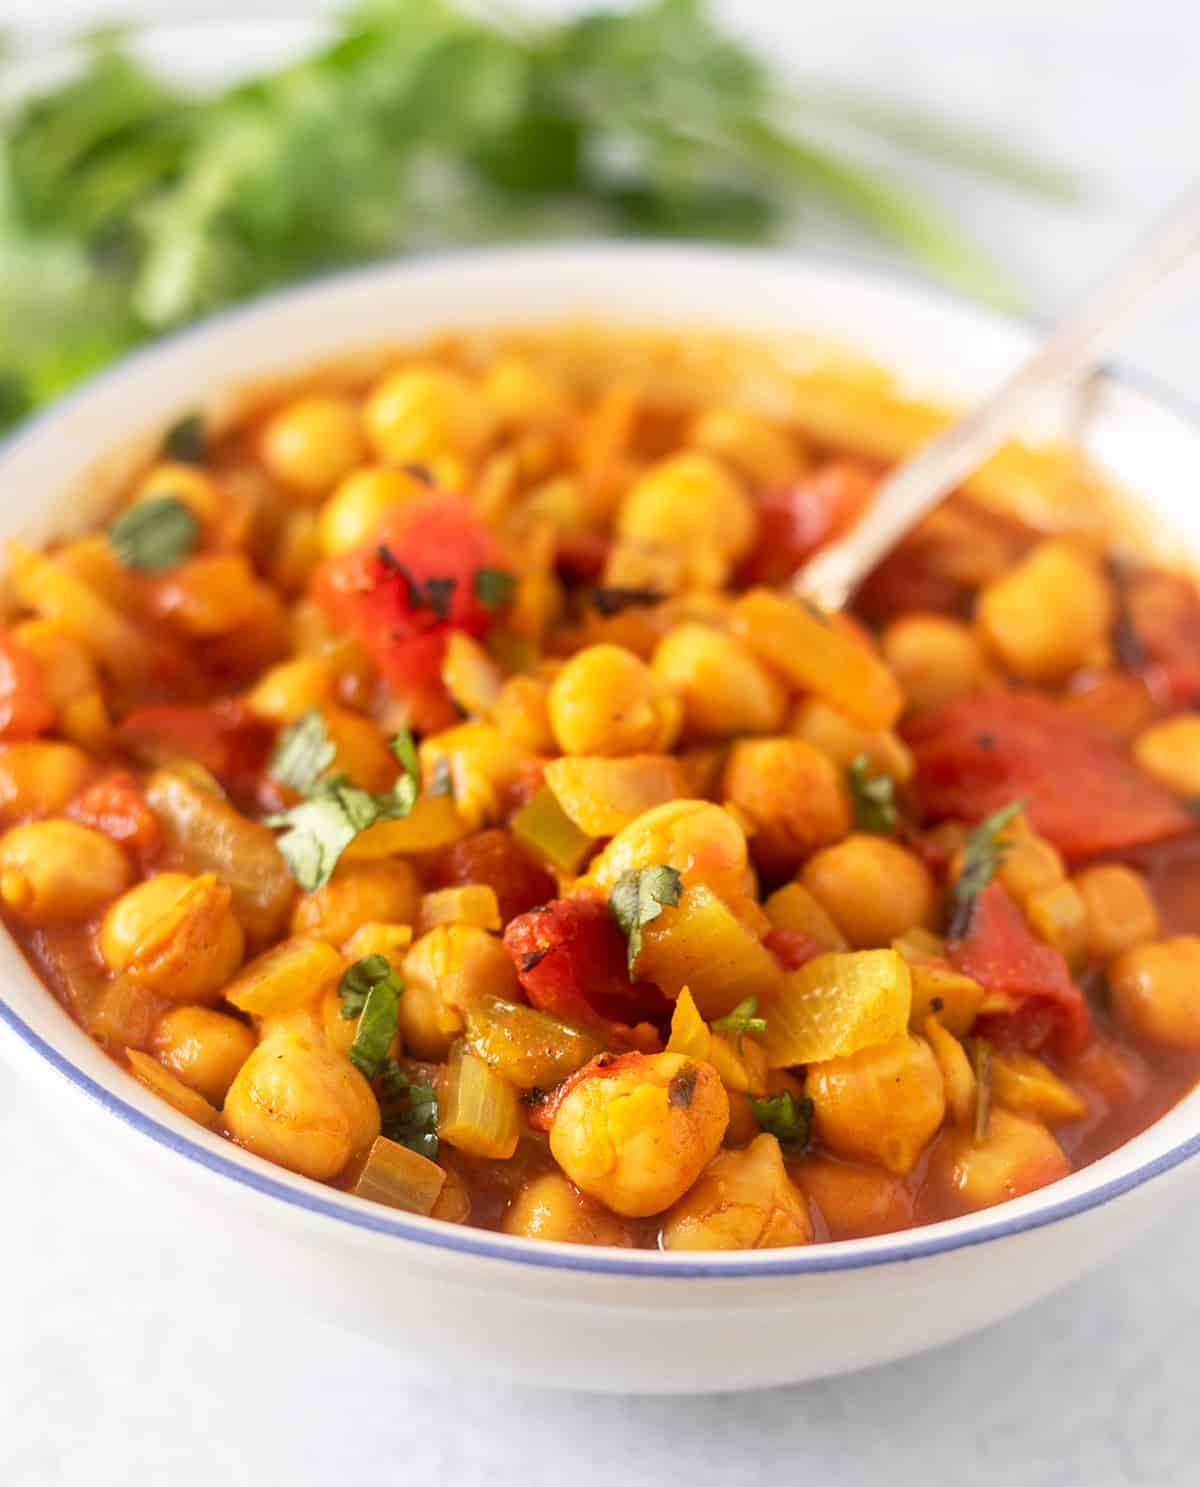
pixel 1008 149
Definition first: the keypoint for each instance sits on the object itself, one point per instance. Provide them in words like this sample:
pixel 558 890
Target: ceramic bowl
pixel 549 1313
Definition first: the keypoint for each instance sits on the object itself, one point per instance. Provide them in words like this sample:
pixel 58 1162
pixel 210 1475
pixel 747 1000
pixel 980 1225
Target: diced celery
pixel 477 1109
pixel 530 1049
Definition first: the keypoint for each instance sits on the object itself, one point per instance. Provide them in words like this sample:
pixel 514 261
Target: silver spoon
pixel 1070 351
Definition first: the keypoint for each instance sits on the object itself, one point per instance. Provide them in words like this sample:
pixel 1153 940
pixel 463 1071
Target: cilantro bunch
pixel 130 205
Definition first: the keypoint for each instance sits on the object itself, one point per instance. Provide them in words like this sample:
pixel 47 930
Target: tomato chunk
pixel 1163 611
pixel 25 709
pixel 116 806
pixel 496 858
pixel 792 948
pixel 223 736
pixel 796 520
pixel 1000 953
pixel 402 593
pixel 571 958
pixel 1081 790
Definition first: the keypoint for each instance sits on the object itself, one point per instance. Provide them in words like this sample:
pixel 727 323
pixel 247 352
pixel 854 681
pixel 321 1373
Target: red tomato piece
pixel 796 520
pixel 792 948
pixel 1081 789
pixel 496 858
pixel 116 806
pixel 402 593
pixel 572 960
pixel 222 736
pixel 1000 953
pixel 25 709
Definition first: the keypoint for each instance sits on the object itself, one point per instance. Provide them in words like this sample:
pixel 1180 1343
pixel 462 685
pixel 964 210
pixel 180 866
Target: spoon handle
pixel 1072 349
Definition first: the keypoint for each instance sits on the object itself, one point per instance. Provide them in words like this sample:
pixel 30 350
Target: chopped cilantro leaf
pixel 740 1021
pixel 155 533
pixel 983 853
pixel 494 588
pixel 355 985
pixel 786 1118
pixel 372 987
pixel 303 754
pixel 640 896
pixel 409 1110
pixel 873 799
pixel 610 599
pixel 186 441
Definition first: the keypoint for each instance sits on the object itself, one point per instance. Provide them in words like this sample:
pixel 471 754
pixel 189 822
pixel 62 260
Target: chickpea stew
pixel 425 781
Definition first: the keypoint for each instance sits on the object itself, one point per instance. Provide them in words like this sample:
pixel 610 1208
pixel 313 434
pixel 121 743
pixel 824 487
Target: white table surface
pixel 117 1369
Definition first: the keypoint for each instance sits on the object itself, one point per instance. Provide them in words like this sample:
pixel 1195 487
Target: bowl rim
pixel 1006 1220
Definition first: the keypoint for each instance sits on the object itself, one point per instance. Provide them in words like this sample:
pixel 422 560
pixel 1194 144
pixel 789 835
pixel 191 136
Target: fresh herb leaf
pixel 638 897
pixel 610 599
pixel 186 441
pixel 983 852
pixel 155 533
pixel 740 1021
pixel 438 593
pixel 408 1110
pixel 872 798
pixel 303 754
pixel 787 1118
pixel 373 987
pixel 981 1057
pixel 318 830
pixel 494 588
pixel 356 984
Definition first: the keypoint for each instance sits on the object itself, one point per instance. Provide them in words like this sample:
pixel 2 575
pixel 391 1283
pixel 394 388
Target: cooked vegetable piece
pixel 399 1178
pixel 978 755
pixel 150 1072
pixel 743 1200
pixel 837 1004
pixel 602 796
pixel 548 832
pixel 478 1110
pixel 285 977
pixel 528 1048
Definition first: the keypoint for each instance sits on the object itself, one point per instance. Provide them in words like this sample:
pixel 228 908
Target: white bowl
pixel 549 1313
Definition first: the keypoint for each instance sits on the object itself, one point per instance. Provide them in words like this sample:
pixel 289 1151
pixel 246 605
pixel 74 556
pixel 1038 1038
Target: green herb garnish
pixel 640 896
pixel 983 852
pixel 186 441
pixel 155 533
pixel 303 754
pixel 786 1118
pixel 134 204
pixel 494 588
pixel 740 1021
pixel 370 990
pixel 408 1110
pixel 318 830
pixel 872 798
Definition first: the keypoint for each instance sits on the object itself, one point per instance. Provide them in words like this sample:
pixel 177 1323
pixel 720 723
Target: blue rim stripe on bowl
pixel 847 1255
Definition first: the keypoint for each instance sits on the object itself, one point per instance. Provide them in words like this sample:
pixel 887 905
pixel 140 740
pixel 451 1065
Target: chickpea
pixel 303 1107
pixel 1049 615
pixel 176 935
pixel 203 1048
pixel 444 972
pixel 934 658
pixel 66 669
pixel 1018 1156
pixel 742 1200
pixel 755 449
pixel 606 701
pixel 700 840
pixel 385 890
pixel 422 414
pixel 523 397
pixel 855 1201
pixel 286 692
pixel 793 796
pixel 723 687
pixel 39 778
pixel 58 872
pixel 882 1104
pixel 689 504
pixel 1156 991
pixel 637 1130
pixel 309 445
pixel 550 1207
pixel 352 514
pixel 1118 910
pixel 872 889
pixel 1170 752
